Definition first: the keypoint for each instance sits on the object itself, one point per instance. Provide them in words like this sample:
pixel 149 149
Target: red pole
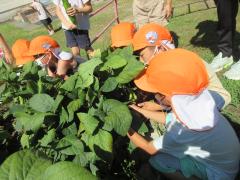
pixel 103 30
pixel 116 11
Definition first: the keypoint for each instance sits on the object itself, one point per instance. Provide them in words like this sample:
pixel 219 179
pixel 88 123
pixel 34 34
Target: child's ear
pixel 49 54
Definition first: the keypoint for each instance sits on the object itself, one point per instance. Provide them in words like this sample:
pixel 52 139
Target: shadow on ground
pixel 207 37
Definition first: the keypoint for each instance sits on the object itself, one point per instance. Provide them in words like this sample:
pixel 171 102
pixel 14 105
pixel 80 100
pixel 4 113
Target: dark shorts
pixel 78 38
pixel 46 22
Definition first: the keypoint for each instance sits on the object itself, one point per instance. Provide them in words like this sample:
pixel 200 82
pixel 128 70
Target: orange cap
pixel 150 35
pixel 174 72
pixel 19 49
pixel 41 44
pixel 122 34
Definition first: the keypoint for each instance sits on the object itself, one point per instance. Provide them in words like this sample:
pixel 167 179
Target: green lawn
pixel 195 31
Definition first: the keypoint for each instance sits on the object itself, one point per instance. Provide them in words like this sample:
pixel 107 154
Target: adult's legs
pixel 227 12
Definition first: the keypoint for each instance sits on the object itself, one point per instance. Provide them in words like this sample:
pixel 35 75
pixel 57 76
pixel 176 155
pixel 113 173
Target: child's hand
pixel 72 11
pixel 135 107
pixel 148 105
pixel 71 26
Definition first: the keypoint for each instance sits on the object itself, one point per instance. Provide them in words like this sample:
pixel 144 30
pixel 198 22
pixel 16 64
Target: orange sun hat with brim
pixel 173 72
pixel 19 49
pixel 41 44
pixel 150 35
pixel 122 34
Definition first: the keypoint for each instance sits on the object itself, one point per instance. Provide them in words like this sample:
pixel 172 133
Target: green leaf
pixel 67 170
pixel 130 71
pixel 96 84
pixel 85 158
pixel 30 122
pixel 41 102
pixel 103 140
pixel 25 165
pixel 48 138
pixel 70 130
pixel 118 116
pixel 89 122
pixel 86 71
pixel 70 83
pixel 90 96
pixel 25 141
pixel 2 88
pixel 63 116
pixel 88 67
pixel 109 85
pixel 73 106
pixel 93 168
pixel 114 62
pixel 70 145
pixel 57 102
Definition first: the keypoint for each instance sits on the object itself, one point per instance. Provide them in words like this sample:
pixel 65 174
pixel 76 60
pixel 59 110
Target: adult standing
pixel 227 12
pixel 155 11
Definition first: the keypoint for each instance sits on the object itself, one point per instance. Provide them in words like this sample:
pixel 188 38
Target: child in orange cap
pixel 153 39
pixel 122 34
pixel 47 54
pixel 199 142
pixel 19 48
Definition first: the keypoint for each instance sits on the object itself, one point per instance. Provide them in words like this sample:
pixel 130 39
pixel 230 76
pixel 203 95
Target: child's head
pixel 19 49
pixel 122 34
pixel 151 39
pixel 44 49
pixel 181 77
pixel 174 72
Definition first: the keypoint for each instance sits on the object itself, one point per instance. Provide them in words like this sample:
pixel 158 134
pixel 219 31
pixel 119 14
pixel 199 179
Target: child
pixel 47 54
pixel 77 35
pixel 42 15
pixel 153 39
pixel 19 48
pixel 195 144
pixel 122 34
pixel 5 50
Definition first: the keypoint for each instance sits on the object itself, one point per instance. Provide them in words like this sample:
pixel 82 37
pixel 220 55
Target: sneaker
pixel 219 62
pixel 51 33
pixel 234 72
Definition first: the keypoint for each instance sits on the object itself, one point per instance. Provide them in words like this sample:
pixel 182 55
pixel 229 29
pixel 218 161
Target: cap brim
pixel 123 43
pixel 24 60
pixel 142 83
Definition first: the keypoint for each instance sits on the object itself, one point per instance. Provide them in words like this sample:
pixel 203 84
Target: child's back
pixel 218 148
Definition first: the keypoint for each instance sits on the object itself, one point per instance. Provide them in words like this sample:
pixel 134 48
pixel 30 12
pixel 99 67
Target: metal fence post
pixel 116 10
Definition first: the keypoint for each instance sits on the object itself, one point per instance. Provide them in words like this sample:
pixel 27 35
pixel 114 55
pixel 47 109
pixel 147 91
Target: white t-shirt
pixel 41 11
pixel 82 18
pixel 218 148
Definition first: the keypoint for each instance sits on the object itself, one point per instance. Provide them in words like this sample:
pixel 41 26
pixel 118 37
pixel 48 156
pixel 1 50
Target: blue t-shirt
pixel 218 149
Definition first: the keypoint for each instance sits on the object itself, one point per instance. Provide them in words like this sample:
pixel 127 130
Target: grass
pixel 195 31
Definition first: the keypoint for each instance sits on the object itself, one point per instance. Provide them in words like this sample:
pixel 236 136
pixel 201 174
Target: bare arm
pixel 141 142
pixel 87 8
pixel 150 105
pixel 168 8
pixel 7 51
pixel 63 19
pixel 157 116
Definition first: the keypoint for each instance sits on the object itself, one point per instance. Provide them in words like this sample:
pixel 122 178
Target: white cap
pixel 65 56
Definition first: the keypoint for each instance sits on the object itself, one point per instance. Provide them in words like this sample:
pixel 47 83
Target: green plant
pixel 75 120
